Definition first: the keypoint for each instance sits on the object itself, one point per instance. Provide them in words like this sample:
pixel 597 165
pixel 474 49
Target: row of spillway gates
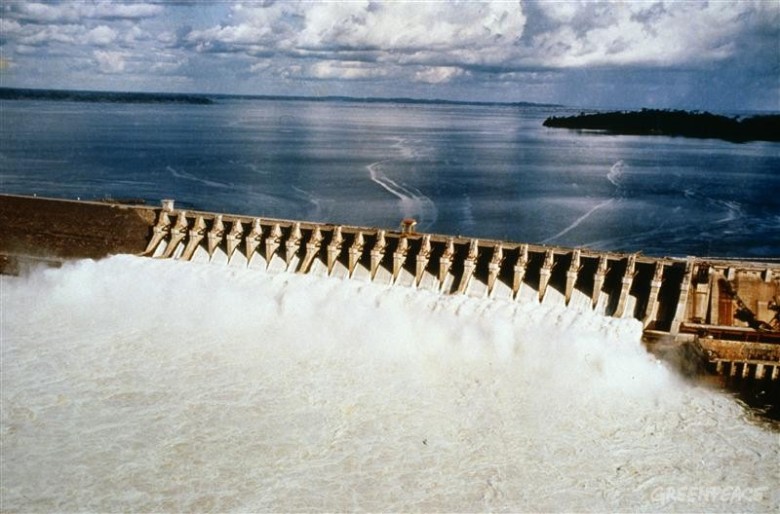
pixel 727 309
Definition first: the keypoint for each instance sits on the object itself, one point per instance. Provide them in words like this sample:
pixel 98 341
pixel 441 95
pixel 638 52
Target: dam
pixel 725 311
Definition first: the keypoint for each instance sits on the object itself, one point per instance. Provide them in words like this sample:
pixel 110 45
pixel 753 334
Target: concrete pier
pixel 714 303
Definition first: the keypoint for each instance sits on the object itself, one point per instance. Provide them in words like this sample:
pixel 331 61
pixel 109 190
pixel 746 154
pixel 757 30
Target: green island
pixel 674 123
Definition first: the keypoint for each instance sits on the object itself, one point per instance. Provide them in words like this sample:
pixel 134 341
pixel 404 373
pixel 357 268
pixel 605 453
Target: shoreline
pixel 691 124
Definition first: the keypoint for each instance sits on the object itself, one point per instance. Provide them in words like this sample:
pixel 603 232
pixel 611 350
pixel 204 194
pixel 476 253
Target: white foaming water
pixel 189 176
pixel 413 203
pixel 145 385
pixel 615 175
pixel 574 224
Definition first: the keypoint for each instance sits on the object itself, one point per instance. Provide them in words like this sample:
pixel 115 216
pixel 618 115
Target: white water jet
pixel 413 203
pixel 579 220
pixel 615 175
pixel 134 384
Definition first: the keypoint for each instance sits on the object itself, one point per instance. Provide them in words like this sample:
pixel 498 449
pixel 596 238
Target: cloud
pixel 408 27
pixel 345 70
pixel 134 35
pixel 78 11
pixel 109 62
pixel 167 65
pixel 100 36
pixel 75 35
pixel 539 50
pixel 441 42
pixel 437 74
pixel 682 34
pixel 399 33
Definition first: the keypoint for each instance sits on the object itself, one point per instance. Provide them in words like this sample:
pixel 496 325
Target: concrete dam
pixel 724 309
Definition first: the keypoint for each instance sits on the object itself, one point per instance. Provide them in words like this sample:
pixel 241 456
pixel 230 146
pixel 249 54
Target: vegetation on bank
pixel 675 123
pixel 101 96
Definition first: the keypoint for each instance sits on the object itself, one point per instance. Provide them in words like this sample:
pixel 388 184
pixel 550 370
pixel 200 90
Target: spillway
pixel 724 309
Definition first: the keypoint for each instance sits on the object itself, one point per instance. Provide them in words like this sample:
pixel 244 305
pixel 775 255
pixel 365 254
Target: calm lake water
pixel 485 171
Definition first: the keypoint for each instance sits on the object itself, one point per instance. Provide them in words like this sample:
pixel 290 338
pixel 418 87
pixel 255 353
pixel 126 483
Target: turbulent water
pixel 137 385
pixel 145 385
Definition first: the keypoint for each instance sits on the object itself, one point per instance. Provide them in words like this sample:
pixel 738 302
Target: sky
pixel 722 56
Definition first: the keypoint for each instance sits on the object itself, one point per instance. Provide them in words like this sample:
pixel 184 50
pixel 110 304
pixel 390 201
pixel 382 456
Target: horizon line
pixel 363 99
pixel 357 99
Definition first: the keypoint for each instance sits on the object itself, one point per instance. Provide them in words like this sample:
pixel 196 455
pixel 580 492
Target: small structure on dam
pixel 727 310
